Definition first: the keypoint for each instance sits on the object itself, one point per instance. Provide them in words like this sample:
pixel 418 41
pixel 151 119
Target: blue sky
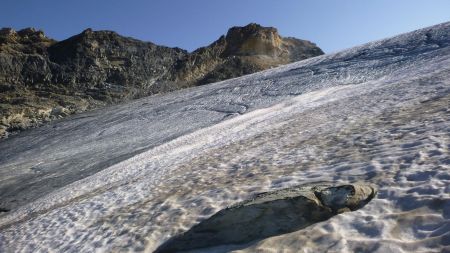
pixel 332 24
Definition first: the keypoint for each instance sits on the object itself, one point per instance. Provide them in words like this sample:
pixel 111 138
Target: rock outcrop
pixel 97 68
pixel 270 214
pixel 243 50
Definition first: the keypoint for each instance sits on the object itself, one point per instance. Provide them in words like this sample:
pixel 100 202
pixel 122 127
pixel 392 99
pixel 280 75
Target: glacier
pixel 131 176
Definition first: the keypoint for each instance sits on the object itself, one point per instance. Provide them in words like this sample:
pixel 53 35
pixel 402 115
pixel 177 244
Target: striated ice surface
pixel 129 177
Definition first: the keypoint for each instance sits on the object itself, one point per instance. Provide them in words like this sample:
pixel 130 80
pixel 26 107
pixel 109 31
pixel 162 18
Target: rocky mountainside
pixel 239 165
pixel 243 50
pixel 42 79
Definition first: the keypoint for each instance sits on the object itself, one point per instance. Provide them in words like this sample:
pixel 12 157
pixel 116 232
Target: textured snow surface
pixel 129 177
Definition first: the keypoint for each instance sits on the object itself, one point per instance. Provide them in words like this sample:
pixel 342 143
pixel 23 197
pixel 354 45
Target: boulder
pixel 270 214
pixel 59 112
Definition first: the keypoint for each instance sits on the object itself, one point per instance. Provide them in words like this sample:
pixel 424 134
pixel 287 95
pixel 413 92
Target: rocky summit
pixel 42 79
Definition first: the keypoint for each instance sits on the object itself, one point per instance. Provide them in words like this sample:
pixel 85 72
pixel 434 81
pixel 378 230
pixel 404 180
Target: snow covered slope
pixel 131 176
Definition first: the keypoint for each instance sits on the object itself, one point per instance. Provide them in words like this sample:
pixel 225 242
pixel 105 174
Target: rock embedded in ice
pixel 270 214
pixel 346 197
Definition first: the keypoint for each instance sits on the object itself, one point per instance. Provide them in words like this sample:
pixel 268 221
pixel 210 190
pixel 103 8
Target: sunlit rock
pixel 272 213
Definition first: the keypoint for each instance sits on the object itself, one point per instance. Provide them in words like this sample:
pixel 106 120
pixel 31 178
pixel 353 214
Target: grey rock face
pixel 270 214
pixel 97 68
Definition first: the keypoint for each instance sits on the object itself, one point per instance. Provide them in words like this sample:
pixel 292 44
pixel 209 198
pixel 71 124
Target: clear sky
pixel 332 24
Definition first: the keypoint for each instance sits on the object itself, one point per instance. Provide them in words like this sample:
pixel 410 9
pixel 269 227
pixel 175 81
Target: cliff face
pixel 42 79
pixel 109 67
pixel 244 50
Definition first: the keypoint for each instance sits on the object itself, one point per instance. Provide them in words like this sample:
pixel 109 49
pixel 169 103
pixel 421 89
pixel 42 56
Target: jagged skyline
pixel 134 176
pixel 188 25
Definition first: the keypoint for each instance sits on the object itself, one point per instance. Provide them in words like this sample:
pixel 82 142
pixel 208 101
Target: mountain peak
pixel 252 39
pixel 252 28
pixel 28 40
pixel 244 50
pixel 95 68
pixel 26 33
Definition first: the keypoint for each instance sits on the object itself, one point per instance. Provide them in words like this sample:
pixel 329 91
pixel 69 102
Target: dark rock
pixel 97 68
pixel 270 214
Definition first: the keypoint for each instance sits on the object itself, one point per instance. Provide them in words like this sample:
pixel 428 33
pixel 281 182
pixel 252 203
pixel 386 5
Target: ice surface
pixel 128 178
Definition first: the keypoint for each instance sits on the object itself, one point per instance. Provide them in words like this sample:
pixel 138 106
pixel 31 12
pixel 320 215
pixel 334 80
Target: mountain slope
pixel 131 176
pixel 41 79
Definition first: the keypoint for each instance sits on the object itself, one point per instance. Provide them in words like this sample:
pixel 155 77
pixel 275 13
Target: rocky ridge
pixel 42 79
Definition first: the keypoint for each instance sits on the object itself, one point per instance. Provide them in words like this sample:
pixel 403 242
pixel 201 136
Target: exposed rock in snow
pixel 131 177
pixel 270 214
